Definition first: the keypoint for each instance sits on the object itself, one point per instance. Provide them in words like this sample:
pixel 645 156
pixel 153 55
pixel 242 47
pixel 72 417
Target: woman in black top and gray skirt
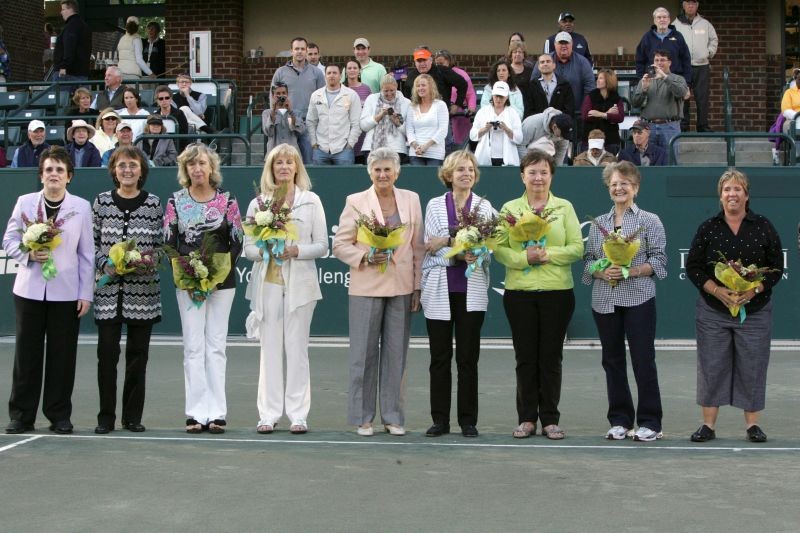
pixel 733 351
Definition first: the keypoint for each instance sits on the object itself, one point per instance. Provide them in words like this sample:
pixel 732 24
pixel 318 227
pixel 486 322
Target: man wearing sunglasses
pixel 166 109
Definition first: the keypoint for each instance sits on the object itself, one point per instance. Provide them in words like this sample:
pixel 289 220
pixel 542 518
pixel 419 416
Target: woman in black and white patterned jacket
pixel 125 213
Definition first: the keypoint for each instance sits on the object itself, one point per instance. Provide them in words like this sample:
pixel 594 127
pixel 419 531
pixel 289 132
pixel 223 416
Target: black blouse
pixel 757 242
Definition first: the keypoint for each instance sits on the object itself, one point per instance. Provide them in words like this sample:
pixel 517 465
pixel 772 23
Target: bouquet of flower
pixel 619 249
pixel 43 234
pixel 737 277
pixel 528 227
pixel 200 271
pixel 126 258
pixel 271 225
pixel 473 233
pixel 379 236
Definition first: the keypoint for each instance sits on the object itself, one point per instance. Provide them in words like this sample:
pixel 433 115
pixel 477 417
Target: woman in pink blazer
pixel 380 302
pixel 49 311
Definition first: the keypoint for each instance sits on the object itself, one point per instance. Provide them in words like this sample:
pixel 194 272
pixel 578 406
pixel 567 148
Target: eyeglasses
pixel 110 118
pixel 165 98
pixel 126 166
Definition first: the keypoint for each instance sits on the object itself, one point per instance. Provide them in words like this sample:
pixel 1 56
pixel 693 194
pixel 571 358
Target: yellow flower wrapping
pixel 460 247
pixel 393 240
pixel 45 246
pixel 733 281
pixel 221 262
pixel 529 227
pixel 264 233
pixel 621 253
pixel 117 254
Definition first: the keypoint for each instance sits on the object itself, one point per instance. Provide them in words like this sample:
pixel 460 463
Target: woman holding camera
pixel 279 122
pixel 383 119
pixel 498 130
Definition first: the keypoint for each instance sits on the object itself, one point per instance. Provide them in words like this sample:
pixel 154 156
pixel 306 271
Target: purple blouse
pixel 456 277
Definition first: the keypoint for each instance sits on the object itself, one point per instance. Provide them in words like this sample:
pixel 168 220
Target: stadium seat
pixel 54 135
pixel 13 100
pixel 29 113
pixel 147 96
pixel 11 133
pixel 48 100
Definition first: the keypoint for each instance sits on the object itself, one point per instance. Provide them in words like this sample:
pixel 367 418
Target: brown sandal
pixel 553 432
pixel 524 430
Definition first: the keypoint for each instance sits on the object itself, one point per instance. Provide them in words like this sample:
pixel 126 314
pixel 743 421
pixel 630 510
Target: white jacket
pixel 700 37
pixel 367 122
pixel 299 274
pixel 483 153
pixel 334 128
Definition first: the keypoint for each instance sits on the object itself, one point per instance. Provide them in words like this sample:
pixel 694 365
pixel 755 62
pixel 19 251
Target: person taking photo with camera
pixel 279 123
pixel 498 130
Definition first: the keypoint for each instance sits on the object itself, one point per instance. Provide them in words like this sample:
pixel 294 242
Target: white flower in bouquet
pixel 33 233
pixel 468 235
pixel 133 256
pixel 263 218
pixel 199 268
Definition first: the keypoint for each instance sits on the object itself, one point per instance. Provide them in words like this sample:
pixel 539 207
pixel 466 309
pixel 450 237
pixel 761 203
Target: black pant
pixel 136 352
pixel 57 323
pixel 638 324
pixel 538 321
pixel 700 95
pixel 467 327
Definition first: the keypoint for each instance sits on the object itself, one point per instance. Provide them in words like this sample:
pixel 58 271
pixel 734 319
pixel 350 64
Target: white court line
pixel 20 443
pixel 376 442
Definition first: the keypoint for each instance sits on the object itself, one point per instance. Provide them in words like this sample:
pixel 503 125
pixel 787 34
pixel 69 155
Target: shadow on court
pixel 332 480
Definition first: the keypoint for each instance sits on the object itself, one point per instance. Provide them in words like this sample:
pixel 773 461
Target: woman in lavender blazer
pixel 49 312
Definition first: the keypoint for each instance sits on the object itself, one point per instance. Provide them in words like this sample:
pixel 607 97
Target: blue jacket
pixel 674 43
pixel 657 155
pixel 91 155
pixel 579 45
pixel 27 156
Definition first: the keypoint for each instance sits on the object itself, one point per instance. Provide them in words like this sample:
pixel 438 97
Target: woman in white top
pixel 105 136
pixel 501 71
pixel 129 48
pixel 130 97
pixel 383 119
pixel 426 124
pixel 498 130
pixel 283 296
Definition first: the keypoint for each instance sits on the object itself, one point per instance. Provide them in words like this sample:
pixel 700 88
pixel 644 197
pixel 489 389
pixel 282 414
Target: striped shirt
pixel 634 290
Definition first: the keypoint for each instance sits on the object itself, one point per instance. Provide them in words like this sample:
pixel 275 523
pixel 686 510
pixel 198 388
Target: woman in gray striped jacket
pixel 451 299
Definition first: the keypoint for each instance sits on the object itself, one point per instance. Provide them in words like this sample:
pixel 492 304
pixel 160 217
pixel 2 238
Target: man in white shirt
pixel 701 38
pixel 333 121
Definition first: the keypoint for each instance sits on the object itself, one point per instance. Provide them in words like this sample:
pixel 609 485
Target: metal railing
pixel 730 139
pixel 254 101
pixel 727 102
pixel 203 136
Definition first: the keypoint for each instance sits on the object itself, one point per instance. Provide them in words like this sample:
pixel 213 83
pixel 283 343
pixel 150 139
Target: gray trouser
pixel 700 92
pixel 379 333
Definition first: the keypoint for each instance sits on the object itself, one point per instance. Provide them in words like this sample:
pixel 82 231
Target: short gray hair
pixel 660 10
pixel 383 154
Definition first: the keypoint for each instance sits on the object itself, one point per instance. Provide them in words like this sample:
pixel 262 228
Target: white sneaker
pixel 644 434
pixel 365 430
pixel 394 429
pixel 619 433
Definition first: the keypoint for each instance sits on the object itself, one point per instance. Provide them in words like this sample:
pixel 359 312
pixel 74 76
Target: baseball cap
pixel 563 36
pixel 124 124
pixel 361 41
pixel 155 119
pixel 640 125
pixel 500 88
pixel 596 143
pixel 422 54
pixel 566 15
pixel 34 125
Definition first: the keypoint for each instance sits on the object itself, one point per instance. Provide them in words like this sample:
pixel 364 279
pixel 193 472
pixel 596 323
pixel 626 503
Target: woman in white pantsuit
pixel 283 297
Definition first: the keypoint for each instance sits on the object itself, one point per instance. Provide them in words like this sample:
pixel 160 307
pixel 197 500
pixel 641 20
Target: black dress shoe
pixel 755 434
pixel 703 434
pixel 135 427
pixel 62 427
pixel 16 427
pixel 437 430
pixel 469 431
pixel 103 429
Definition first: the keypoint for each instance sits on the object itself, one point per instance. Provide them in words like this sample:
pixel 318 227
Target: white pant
pixel 284 332
pixel 205 330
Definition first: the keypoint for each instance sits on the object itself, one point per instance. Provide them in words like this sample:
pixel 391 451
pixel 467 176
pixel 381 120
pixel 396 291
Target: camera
pixel 281 99
pixel 390 111
pixel 495 124
pixel 651 71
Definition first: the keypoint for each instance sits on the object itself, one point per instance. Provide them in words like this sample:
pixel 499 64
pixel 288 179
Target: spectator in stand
pixel 82 153
pixel 426 123
pixel 371 71
pixel 566 22
pixel 302 79
pixel 790 102
pixel 498 130
pixel 105 135
pixel 501 71
pixel 4 60
pixel 352 72
pixel 459 123
pixel 279 123
pixel 192 103
pixel 521 69
pixel 166 109
pixel 596 155
pixel 701 38
pixel 154 50
pixel 663 36
pixel 130 97
pixel 332 121
pixel 160 152
pixel 444 78
pixel 313 57
pixel 72 54
pixel 572 67
pixel 660 94
pixel 517 38
pixel 83 105
pixel 383 118
pixel 549 131
pixel 111 96
pixel 129 48
pixel 602 109
pixel 549 90
pixel 28 154
pixel 643 153
pixel 124 138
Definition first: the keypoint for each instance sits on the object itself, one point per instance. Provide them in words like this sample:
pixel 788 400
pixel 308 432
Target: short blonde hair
pixel 513 47
pixel 450 164
pixel 80 92
pixel 388 79
pixel 267 184
pixel 192 152
pixel 738 177
pixel 626 169
pixel 431 83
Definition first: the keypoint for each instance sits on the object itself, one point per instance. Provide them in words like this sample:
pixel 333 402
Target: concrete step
pixel 714 152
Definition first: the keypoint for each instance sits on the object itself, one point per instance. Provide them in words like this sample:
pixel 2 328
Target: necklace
pixel 47 204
